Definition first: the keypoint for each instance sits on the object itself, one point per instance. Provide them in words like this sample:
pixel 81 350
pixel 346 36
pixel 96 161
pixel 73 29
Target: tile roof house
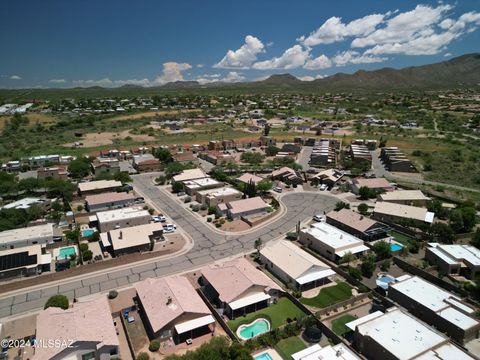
pixel 294 266
pixel 173 308
pixel 244 207
pixel 86 329
pixel 357 224
pixel 375 184
pixel 393 213
pixel 247 178
pixel 110 200
pixel 287 175
pixel 239 287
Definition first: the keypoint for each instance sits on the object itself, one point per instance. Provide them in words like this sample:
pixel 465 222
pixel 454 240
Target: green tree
pixel 366 193
pixel 341 205
pixel 264 185
pixel 266 129
pixel 252 158
pixel 164 155
pixel 442 233
pixel 476 239
pixel 60 301
pixel 123 177
pixel 143 356
pixel 363 209
pixel 368 266
pixel 258 244
pixel 154 345
pixel 177 187
pixel 382 250
pixel 347 258
pixel 80 167
pixel 271 150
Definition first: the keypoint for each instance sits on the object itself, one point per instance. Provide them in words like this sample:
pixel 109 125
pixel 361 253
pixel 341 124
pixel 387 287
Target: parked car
pixel 277 189
pixel 323 187
pixel 159 218
pixel 181 193
pixel 319 218
pixel 169 228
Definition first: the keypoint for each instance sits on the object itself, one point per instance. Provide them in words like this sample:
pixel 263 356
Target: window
pixel 88 356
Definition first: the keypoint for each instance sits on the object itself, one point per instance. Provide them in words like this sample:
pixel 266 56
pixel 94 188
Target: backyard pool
pixel 395 247
pixel 87 232
pixel 66 252
pixel 263 356
pixel 384 280
pixel 253 329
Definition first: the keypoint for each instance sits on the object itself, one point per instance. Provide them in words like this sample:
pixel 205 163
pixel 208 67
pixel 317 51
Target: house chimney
pixel 169 300
pixel 120 235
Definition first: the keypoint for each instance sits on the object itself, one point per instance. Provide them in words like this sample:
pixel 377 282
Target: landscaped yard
pixel 289 346
pixel 277 313
pixel 329 295
pixel 338 325
pixel 401 238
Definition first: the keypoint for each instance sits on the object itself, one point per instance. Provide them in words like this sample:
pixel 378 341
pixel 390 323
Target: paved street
pixel 209 246
pixel 304 157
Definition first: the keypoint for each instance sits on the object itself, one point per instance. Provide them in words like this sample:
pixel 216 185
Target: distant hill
pixel 460 71
pixel 181 85
pixel 280 79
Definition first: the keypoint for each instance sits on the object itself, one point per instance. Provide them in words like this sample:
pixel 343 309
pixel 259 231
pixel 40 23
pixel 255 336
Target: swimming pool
pixel 395 247
pixel 87 232
pixel 263 356
pixel 384 280
pixel 253 329
pixel 66 252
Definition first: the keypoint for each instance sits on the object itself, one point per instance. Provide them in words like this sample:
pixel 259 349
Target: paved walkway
pixel 209 246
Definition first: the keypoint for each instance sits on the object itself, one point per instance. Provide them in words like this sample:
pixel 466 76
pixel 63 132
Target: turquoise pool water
pixel 87 232
pixel 263 356
pixel 66 252
pixel 395 247
pixel 258 327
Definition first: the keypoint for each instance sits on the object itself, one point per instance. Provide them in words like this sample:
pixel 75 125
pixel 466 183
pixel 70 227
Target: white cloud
pixel 57 81
pixel 243 57
pixel 310 78
pixel 334 29
pixel 106 82
pixel 447 54
pixel 200 66
pixel 292 58
pixel 15 77
pixel 231 77
pixel 320 62
pixel 354 57
pixel 172 71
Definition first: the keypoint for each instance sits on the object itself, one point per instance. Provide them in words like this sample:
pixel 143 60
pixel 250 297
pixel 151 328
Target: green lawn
pixel 338 325
pixel 330 295
pixel 289 346
pixel 277 314
pixel 401 238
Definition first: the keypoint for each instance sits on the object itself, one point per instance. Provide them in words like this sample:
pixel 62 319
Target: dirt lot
pixel 33 117
pixel 106 138
pixel 235 225
pixel 147 114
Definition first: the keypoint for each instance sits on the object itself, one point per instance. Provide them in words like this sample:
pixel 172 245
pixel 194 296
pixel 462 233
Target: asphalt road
pixel 209 246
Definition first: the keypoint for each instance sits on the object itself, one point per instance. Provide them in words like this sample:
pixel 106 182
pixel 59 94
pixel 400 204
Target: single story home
pixel 95 187
pixel 405 197
pixel 110 200
pixel 188 175
pixel 171 307
pixel 121 218
pixel 248 178
pixel 394 213
pixel 243 208
pixel 294 266
pixel 287 175
pixel 24 261
pixel 329 177
pixel 238 287
pixel 456 259
pixel 376 184
pixel 191 187
pixel 213 197
pixel 357 224
pixel 21 237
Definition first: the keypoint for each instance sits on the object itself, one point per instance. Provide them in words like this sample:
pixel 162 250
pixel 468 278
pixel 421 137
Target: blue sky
pixel 58 43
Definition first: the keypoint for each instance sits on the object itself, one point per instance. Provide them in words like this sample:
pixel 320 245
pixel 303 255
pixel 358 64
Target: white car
pixel 319 218
pixel 159 218
pixel 323 187
pixel 277 189
pixel 169 228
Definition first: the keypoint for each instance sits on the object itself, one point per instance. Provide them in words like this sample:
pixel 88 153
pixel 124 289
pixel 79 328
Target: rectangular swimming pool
pixel 395 247
pixel 263 356
pixel 66 252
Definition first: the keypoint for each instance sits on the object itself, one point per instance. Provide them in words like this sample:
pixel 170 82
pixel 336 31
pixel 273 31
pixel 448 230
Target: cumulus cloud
pixel 243 57
pixel 292 58
pixel 231 77
pixel 15 77
pixel 172 71
pixel 354 57
pixel 310 78
pixel 320 62
pixel 57 81
pixel 106 82
pixel 334 30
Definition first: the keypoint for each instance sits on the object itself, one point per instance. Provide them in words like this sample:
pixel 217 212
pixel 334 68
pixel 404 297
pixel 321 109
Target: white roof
pixel 22 234
pixel 316 352
pixel 248 300
pixel 445 352
pixel 194 324
pixel 403 211
pixel 436 299
pixel 354 250
pixel 456 253
pixel 219 192
pixel 353 324
pixel 25 203
pixel 98 185
pixel 399 195
pixel 295 262
pixel 121 214
pixel 333 237
pixel 400 334
pixel 198 183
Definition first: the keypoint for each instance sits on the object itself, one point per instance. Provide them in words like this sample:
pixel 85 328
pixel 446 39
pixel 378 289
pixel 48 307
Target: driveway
pixel 209 246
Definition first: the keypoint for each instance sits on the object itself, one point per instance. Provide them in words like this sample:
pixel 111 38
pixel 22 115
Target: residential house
pixel 121 218
pixel 52 172
pixel 436 306
pixel 99 186
pixel 328 177
pixel 213 197
pixel 106 166
pixel 238 287
pixel 133 239
pixel 146 162
pixel 395 213
pixel 330 242
pixel 294 266
pixel 191 187
pixel 27 203
pixel 243 208
pixel 457 259
pixel 357 224
pixel 329 352
pixel 395 160
pixel 397 335
pixel 405 197
pixel 291 148
pixel 248 178
pixel 188 175
pixel 171 308
pixel 376 184
pixel 86 330
pixel 17 238
pixel 110 200
pixel 287 175
pixel 24 261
